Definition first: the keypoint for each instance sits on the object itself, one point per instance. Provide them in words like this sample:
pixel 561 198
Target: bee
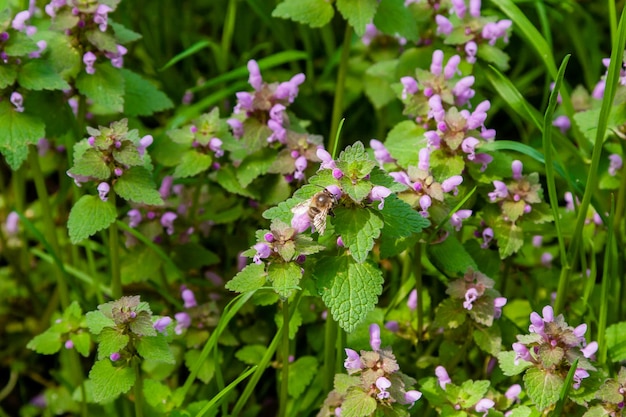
pixel 317 208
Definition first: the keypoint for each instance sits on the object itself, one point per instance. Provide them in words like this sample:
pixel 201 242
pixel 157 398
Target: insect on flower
pixel 318 208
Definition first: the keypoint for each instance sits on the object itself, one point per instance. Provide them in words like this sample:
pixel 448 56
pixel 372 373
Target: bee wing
pixel 319 221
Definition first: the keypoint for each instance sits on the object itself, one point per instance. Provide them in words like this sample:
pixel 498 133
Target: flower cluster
pixel 263 114
pixel 517 197
pixel 475 290
pixel 553 346
pixel 194 315
pixel 88 23
pixel 283 243
pixel 375 381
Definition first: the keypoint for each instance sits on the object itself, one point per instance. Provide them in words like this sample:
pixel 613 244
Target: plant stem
pixel 329 352
pixel 417 271
pixel 284 384
pixel 138 389
pixel 49 227
pixel 339 89
pixel 116 276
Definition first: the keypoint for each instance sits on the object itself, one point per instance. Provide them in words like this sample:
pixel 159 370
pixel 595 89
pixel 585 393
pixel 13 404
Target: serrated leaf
pixel 111 341
pixel 207 369
pixel 62 55
pixel 488 339
pixel 358 228
pixel 88 216
pixel 82 342
pixel 251 278
pixel 315 13
pixel 192 163
pixel 510 238
pixel 142 324
pixel 348 288
pixel 227 178
pixel 595 411
pixel 521 411
pixel 156 393
pixel 550 356
pixel 506 360
pixel 19 44
pixel 155 348
pixel 128 155
pixel 8 75
pixel 142 98
pixel 285 277
pixel 493 55
pixel 137 185
pixel 91 164
pixel 103 41
pixel 543 387
pixel 46 343
pixel 404 142
pixel 39 75
pixel 251 354
pixel 394 18
pixel 17 131
pixel 96 321
pixel 105 88
pixel 108 382
pixel 301 373
pixel 450 257
pixel 616 342
pixel 358 13
pixel 254 165
pixel 358 403
pixel 472 391
pixel 450 314
pixel 123 34
pixel 400 220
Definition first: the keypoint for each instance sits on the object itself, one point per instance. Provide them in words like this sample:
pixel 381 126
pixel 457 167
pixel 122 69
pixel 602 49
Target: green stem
pixel 227 34
pixel 340 88
pixel 49 227
pixel 284 394
pixel 116 275
pixel 138 388
pixel 607 274
pixel 417 262
pixel 330 332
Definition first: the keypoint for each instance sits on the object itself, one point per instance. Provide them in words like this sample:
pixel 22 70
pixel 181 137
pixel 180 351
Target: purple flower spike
pixel 456 220
pixel 375 337
pixel 436 111
pixel 245 101
pixel 474 8
pixel 300 222
pixel 424 159
pixel 289 90
pixel 501 191
pixel 255 79
pixel 161 324
pixel 262 251
pixel 451 184
pixel 463 91
pixel 469 147
pixel 379 193
pixel 103 190
pixel 144 142
pixel 89 59
pixel 353 360
pixel 452 67
pixel 459 8
pixel 436 66
pixel 18 101
pixel 167 221
pixel 432 139
pixel 580 331
pixel 410 397
pixel 401 177
pixel 548 314
pixel 615 164
pixel 444 27
pixel 12 223
pixel 442 376
pixel 380 152
pixel 410 87
pixel 189 299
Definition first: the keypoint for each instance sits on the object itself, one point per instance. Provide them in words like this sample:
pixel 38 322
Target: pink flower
pixel 375 337
pixel 255 79
pixel 442 376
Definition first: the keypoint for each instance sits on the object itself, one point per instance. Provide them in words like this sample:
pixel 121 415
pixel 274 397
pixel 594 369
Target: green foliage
pixel 18 131
pixel 89 215
pixel 251 278
pixel 315 13
pixel 108 382
pixel 543 387
pixel 137 185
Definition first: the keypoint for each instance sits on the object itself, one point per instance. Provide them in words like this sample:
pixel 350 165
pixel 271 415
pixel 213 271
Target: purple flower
pixel 470 51
pixel 380 152
pixel 236 126
pixel 451 184
pixel 425 202
pixel 513 392
pixel 379 193
pixel 442 376
pixel 401 177
pixel 521 352
pixel 353 360
pixel 335 191
pixel 166 186
pixel 412 300
pixel 19 21
pixel 615 164
pixel 17 100
pixel 392 326
pixel 563 123
pixel 69 344
pixel 410 397
pixel 215 144
pixel 12 223
pixel 144 142
pixel 89 59
pixel 115 356
pixel 288 90
pixel 444 27
pixel 501 191
pixel 255 79
pixel 598 90
pixel 456 220
pixel 409 87
pixel 300 222
pixel 470 296
pixel 487 237
pixel 424 159
pixel 484 405
pixel 463 89
pixel 375 337
pixel 245 101
pixel 436 65
pixel 498 303
pixel 436 111
pixel 494 30
pixel 479 115
pixel 262 251
pixel 103 190
pixel 167 221
pixel 579 375
pixel 589 350
pixel 432 139
pixel 474 8
pixel 183 321
pixel 484 159
pixel 326 158
pixel 189 299
pixel 269 237
pixel 340 242
pixel 370 33
pixel 546 259
pixel 382 384
pixel 452 67
pixel 517 167
pixel 161 324
pixel 134 216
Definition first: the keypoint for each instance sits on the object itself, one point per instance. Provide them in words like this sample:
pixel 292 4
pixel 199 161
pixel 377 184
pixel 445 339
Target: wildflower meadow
pixel 312 208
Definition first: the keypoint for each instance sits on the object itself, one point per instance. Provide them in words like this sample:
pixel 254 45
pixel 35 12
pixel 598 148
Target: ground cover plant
pixel 312 208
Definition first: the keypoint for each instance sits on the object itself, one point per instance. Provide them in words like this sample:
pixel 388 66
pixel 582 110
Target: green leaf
pixel 506 360
pixel 108 382
pixel 254 165
pixel 494 55
pixel 472 391
pixel 91 164
pixel 488 339
pixel 404 142
pixel 17 131
pixel 450 314
pixel 285 277
pixel 123 34
pixel 192 163
pixel 301 373
pixel 88 216
pixel 128 155
pixel 450 257
pixel 206 370
pixel 39 75
pixel 142 98
pixel 96 322
pixel 358 228
pixel 615 341
pixel 358 13
pixel 543 387
pixel 358 403
pixel 394 18
pixel 155 348
pixel 315 13
pixel 251 354
pixel 136 185
pixel 400 222
pixel 521 411
pixel 8 75
pixel 156 394
pixel 227 178
pixel 251 278
pixel 105 88
pixel 82 342
pixel 348 288
pixel 193 256
pixel 19 44
pixel 46 343
pixel 103 41
pixel 111 341
pixel 510 238
pixel 378 80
